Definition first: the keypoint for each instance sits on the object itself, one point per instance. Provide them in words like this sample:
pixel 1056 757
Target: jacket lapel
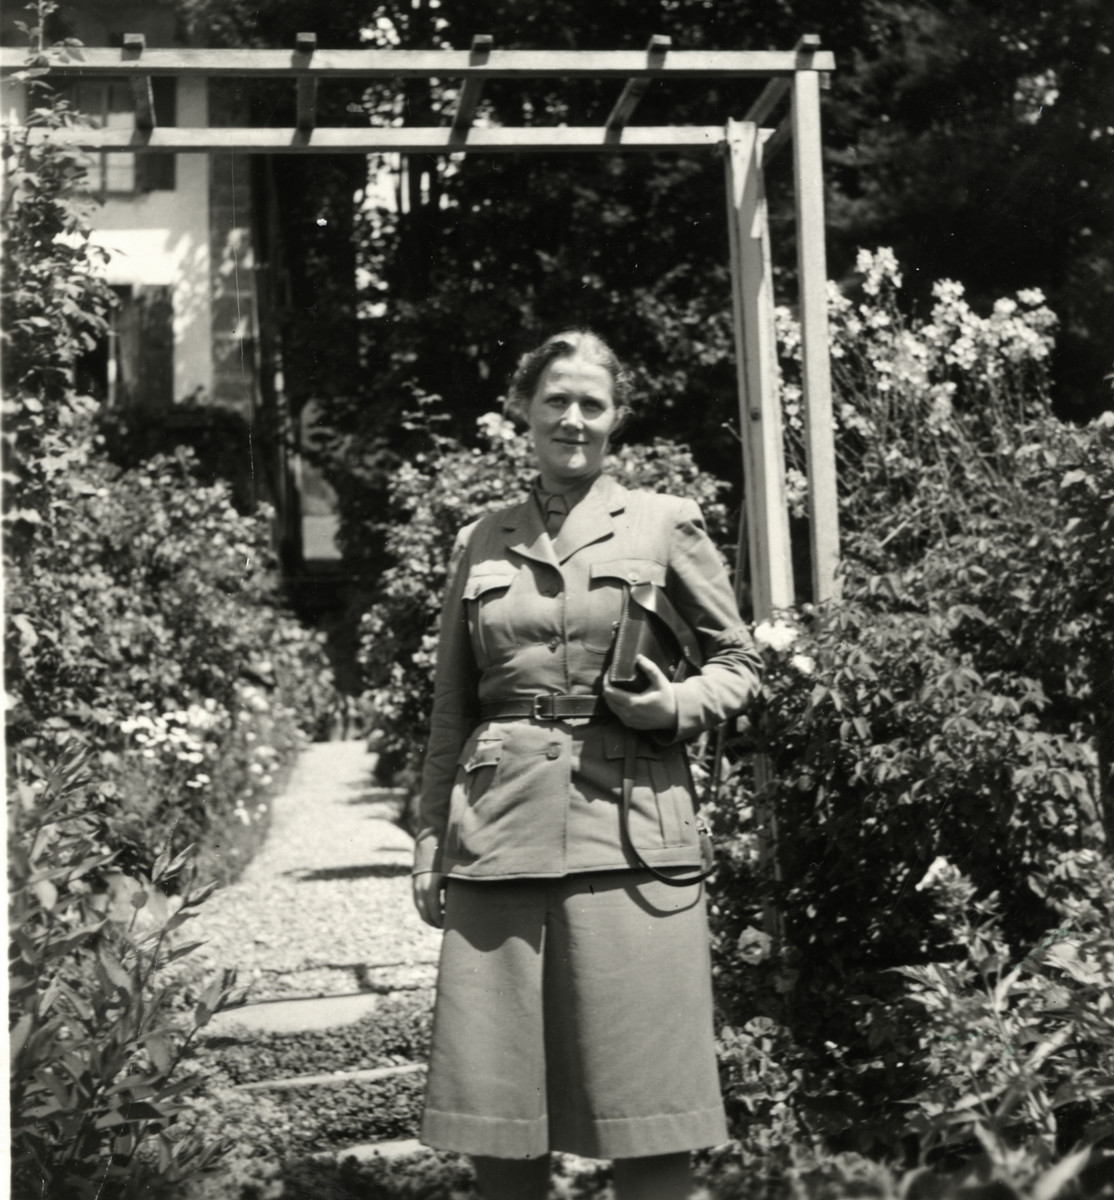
pixel 592 519
pixel 524 532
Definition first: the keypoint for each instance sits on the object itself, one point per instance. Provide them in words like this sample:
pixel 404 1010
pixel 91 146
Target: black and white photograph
pixel 558 592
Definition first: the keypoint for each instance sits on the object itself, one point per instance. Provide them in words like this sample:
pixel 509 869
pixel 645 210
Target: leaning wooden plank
pixel 333 1079
pixel 416 140
pixel 635 89
pixel 816 371
pixel 777 140
pixel 305 45
pixel 386 64
pixel 772 95
pixel 473 86
pixel 142 93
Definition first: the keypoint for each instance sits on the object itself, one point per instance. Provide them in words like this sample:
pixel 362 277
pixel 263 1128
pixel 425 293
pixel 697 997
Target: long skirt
pixel 574 1014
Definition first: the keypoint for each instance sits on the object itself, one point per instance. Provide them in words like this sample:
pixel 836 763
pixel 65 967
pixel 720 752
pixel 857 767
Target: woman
pixel 574 996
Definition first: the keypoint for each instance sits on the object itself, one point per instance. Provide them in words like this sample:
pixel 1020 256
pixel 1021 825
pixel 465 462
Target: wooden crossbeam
pixel 305 44
pixel 408 140
pixel 391 64
pixel 635 89
pixel 142 92
pixel 469 97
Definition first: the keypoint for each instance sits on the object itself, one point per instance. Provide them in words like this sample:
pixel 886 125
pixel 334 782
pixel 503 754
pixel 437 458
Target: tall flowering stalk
pixel 929 413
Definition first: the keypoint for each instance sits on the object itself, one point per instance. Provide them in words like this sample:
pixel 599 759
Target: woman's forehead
pixel 577 373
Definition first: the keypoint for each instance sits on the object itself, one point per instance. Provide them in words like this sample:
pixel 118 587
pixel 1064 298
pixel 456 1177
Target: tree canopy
pixel 973 138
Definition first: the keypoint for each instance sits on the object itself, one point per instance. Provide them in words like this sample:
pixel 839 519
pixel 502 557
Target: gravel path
pixel 324 907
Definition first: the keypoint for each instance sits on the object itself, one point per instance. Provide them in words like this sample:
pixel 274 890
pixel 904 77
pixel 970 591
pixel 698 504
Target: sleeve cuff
pixel 427 855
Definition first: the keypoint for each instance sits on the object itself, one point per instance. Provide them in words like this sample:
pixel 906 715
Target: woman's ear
pixel 622 416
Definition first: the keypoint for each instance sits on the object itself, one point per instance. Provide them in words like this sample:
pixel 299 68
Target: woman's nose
pixel 573 415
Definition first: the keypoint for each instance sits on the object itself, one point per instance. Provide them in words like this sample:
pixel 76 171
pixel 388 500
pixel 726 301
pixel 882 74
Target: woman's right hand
pixel 429 897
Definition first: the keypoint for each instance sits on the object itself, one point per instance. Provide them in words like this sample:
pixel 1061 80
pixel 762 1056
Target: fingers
pixel 654 673
pixel 429 898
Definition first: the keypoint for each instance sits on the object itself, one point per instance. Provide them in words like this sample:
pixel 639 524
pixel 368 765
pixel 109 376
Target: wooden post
pixel 771 569
pixel 815 363
pixel 142 92
pixel 305 46
pixel 767 510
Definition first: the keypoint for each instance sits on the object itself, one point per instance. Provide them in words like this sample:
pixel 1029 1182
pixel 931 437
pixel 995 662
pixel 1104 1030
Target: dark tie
pixel 556 510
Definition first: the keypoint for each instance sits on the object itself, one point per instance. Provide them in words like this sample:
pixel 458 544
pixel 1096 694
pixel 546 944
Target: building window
pixel 108 104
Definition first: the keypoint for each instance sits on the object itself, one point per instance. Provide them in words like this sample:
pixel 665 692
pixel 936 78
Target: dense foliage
pixel 975 138
pixel 154 695
pixel 948 719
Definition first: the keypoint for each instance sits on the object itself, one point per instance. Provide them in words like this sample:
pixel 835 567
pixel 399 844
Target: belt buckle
pixel 538 714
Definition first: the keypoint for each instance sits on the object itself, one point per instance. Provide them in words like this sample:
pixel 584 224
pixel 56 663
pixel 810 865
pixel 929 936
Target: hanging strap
pixel 629 758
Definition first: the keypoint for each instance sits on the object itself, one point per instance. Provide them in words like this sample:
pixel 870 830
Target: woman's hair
pixel 572 343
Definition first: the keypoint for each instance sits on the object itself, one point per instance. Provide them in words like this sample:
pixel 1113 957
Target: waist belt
pixel 545 708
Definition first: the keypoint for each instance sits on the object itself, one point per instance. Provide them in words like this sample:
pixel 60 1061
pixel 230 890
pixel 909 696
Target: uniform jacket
pixel 525 615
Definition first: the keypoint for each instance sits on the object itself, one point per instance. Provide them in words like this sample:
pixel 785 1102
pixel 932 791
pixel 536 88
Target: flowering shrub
pixel 153 690
pixel 926 412
pixel 432 497
pixel 954 707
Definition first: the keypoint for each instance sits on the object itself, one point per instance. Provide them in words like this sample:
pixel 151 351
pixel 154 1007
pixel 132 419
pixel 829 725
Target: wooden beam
pixel 777 140
pixel 409 140
pixel 142 93
pixel 772 95
pixel 771 567
pixel 635 89
pixel 388 64
pixel 816 374
pixel 469 97
pixel 305 45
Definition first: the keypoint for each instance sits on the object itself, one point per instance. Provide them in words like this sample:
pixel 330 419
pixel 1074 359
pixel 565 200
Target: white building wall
pixel 161 238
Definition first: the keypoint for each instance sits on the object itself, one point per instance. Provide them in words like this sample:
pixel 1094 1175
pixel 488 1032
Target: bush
pixel 99 1037
pixel 952 706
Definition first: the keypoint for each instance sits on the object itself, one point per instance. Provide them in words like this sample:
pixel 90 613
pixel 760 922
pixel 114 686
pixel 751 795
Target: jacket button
pixel 553 750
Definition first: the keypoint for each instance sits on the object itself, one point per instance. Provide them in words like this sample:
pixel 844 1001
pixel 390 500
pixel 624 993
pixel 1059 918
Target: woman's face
pixel 571 416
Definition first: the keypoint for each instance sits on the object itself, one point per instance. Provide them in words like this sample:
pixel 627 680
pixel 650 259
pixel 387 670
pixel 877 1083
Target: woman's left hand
pixel 653 708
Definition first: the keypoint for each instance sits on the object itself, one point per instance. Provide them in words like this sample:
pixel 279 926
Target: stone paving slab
pixel 293 1016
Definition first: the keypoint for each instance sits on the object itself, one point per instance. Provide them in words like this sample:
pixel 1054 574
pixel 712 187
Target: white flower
pixel 778 635
pixel 940 870
pixel 804 664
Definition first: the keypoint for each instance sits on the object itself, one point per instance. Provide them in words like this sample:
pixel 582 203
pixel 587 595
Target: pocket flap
pixel 630 570
pixel 480 752
pixel 487 579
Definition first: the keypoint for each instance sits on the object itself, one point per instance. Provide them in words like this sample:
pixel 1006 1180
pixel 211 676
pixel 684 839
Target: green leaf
pixel 114 969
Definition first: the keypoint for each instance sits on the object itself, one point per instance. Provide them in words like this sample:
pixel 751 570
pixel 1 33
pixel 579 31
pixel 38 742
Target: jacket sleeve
pixel 701 590
pixel 455 713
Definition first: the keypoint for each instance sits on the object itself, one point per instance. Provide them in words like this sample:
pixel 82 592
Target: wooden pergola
pixel 747 145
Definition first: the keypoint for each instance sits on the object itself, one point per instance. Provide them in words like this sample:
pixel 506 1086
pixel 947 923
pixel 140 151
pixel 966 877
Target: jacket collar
pixel 590 521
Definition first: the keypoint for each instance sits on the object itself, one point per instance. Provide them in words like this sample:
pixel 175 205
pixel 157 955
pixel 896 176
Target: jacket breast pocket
pixel 488 611
pixel 607 583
